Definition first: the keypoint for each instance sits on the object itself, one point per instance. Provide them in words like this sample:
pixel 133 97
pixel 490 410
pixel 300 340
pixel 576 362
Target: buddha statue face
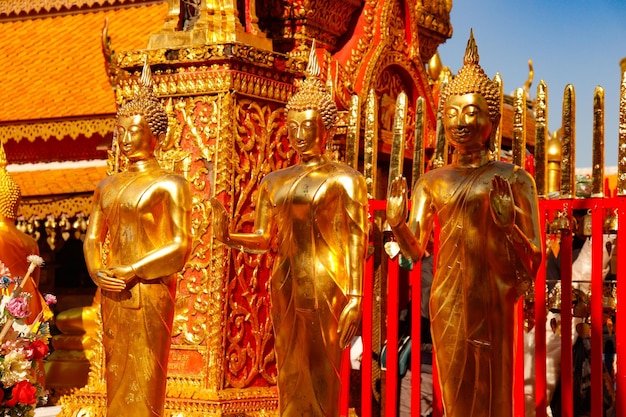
pixel 311 112
pixel 136 140
pixel 307 133
pixel 470 104
pixel 466 121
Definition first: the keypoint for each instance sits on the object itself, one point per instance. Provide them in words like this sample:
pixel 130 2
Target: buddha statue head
pixel 10 194
pixel 313 99
pixel 471 89
pixel 145 103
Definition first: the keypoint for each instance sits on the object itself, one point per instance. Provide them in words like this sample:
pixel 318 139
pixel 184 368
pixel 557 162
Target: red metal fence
pixel 599 208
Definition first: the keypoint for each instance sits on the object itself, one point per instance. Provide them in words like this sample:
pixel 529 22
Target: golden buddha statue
pixel 489 248
pixel 138 239
pixel 317 212
pixel 16 245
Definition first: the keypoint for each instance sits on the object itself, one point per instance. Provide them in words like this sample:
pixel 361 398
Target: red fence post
pixel 620 323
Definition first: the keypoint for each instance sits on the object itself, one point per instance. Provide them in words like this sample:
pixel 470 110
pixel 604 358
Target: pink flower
pixel 50 299
pixel 18 307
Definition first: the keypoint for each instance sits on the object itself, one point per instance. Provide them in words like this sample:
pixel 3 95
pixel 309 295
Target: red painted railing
pixel 548 210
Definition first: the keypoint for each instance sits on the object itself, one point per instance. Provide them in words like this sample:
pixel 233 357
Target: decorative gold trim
pixel 352 135
pixel 370 150
pixel 621 152
pixel 441 144
pixel 418 147
pixel 210 80
pixel 57 129
pixel 434 16
pixel 69 205
pixel 541 138
pixel 364 43
pixel 597 184
pixel 519 127
pixel 396 160
pixel 568 144
pixel 496 146
pixel 215 53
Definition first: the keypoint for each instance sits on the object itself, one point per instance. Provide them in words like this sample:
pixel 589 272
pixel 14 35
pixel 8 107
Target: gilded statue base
pixel 235 403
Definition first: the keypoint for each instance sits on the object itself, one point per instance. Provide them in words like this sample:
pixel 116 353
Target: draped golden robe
pixel 321 216
pixel 137 219
pixel 475 287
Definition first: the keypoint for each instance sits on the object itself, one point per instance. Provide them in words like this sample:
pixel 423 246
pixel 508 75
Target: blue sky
pixel 570 42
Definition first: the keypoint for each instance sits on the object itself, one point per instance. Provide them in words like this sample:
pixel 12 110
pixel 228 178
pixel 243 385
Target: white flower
pixel 14 368
pixel 4 271
pixel 35 259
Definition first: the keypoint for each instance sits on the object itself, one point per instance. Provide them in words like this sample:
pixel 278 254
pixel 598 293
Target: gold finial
pixel 529 81
pixel 313 94
pixel 146 103
pixel 472 79
pixel 10 193
pixel 146 73
pixel 471 51
pixel 313 66
pixel 434 66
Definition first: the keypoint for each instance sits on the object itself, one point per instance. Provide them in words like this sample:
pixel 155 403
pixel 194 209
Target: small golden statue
pixel 138 239
pixel 16 246
pixel 489 250
pixel 317 210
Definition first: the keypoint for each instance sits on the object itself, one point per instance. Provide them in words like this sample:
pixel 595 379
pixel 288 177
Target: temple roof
pixel 57 102
pixel 59 181
pixel 54 68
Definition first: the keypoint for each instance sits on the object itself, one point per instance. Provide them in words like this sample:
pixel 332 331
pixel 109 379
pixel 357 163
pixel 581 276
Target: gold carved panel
pixel 260 147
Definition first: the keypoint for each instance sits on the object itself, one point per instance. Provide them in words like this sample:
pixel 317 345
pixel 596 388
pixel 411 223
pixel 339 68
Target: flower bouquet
pixel 23 343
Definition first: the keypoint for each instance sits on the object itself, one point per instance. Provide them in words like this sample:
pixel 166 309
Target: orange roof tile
pixel 58 181
pixel 53 67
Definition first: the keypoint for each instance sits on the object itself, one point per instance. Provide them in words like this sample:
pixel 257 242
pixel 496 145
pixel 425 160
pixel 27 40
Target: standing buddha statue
pixel 489 248
pixel 317 212
pixel 138 239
